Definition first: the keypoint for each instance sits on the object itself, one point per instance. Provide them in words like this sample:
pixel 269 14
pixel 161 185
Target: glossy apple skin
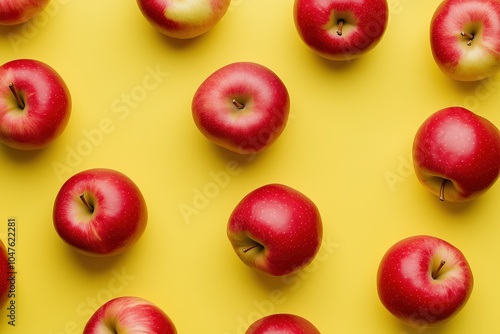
pixel 183 19
pixel 129 314
pixel 283 223
pixel 460 146
pixel 453 56
pixel 119 217
pixel 251 129
pixel 19 11
pixel 4 274
pixel 47 99
pixel 282 323
pixel 407 289
pixel 365 22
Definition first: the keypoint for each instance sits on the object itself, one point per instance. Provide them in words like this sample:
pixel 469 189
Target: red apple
pixel 275 230
pixel 341 29
pixel 35 104
pixel 132 315
pixel 20 11
pixel 242 107
pixel 465 38
pixel 282 324
pixel 456 154
pixel 183 18
pixel 424 280
pixel 4 274
pixel 100 212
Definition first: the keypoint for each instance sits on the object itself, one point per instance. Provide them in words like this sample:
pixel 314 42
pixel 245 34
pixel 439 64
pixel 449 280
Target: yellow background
pixel 347 146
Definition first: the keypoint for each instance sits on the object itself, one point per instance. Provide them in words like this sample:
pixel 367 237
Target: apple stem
pixel 87 204
pixel 469 36
pixel 238 105
pixel 245 250
pixel 339 27
pixel 436 272
pixel 441 190
pixel 20 101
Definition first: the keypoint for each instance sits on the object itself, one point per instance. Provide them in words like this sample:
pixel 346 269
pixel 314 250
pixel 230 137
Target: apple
pixel 100 212
pixel 275 230
pixel 456 154
pixel 20 11
pixel 242 107
pixel 183 19
pixel 4 274
pixel 423 280
pixel 341 29
pixel 465 38
pixel 129 314
pixel 35 104
pixel 282 323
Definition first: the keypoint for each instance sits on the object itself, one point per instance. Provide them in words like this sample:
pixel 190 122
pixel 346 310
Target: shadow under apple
pixel 268 282
pixel 10 29
pixel 243 160
pixel 422 328
pixel 96 264
pixel 22 156
pixel 458 208
pixel 337 65
pixel 465 88
pixel 179 44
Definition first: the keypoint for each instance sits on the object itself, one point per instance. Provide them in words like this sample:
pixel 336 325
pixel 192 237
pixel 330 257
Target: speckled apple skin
pixel 286 224
pixel 282 323
pixel 451 51
pixel 253 128
pixel 406 287
pixel 14 12
pixel 458 145
pixel 183 19
pixel 119 218
pixel 48 104
pixel 129 314
pixel 365 22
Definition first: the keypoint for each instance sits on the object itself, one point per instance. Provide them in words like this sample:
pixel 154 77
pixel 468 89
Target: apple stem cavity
pixel 238 104
pixel 246 250
pixel 435 273
pixel 441 190
pixel 87 204
pixel 339 27
pixel 20 101
pixel 469 36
